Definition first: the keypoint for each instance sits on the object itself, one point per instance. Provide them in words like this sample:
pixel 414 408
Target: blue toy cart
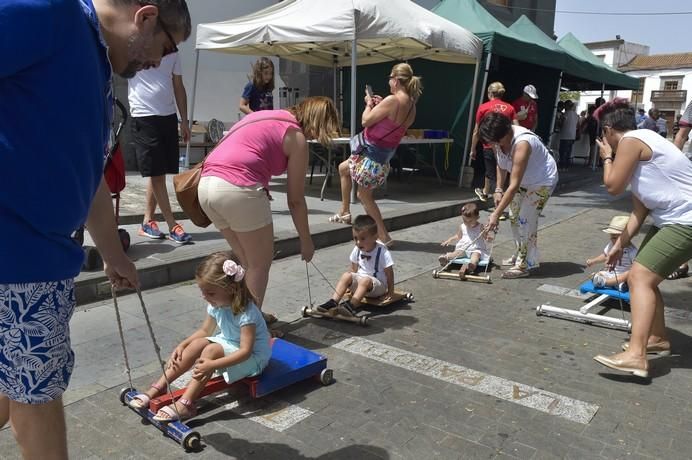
pixel 289 364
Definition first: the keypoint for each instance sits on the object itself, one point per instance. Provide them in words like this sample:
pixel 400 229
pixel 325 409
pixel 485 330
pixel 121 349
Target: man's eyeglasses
pixel 172 50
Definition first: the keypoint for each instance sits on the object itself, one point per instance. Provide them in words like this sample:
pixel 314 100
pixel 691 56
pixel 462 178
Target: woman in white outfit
pixel 660 178
pixel 533 177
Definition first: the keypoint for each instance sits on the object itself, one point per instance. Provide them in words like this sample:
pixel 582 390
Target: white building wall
pixel 614 57
pixel 653 82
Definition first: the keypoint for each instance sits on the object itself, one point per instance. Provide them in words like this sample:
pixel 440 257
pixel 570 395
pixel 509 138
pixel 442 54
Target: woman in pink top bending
pixel 233 190
pixel 385 122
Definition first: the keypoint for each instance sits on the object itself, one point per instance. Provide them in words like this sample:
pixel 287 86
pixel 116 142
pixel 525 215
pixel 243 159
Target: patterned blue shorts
pixel 36 359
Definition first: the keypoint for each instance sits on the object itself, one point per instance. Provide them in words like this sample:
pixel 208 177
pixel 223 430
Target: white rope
pixel 307 277
pixel 157 349
pixel 323 277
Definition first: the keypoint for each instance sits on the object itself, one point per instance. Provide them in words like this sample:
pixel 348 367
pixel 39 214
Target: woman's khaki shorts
pixel 242 209
pixel 665 249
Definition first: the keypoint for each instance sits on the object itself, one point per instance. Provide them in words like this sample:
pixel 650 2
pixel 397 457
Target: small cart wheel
pixel 123 395
pixel 124 239
pixel 304 311
pixel 364 320
pixel 409 296
pixel 92 258
pixel 326 377
pixel 436 274
pixel 192 441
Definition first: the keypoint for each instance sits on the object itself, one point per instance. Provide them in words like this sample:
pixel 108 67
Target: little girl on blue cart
pixel 240 349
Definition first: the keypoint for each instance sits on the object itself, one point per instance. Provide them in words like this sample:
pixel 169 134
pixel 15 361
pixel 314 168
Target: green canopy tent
pixel 599 72
pixel 508 57
pixel 498 39
pixel 580 72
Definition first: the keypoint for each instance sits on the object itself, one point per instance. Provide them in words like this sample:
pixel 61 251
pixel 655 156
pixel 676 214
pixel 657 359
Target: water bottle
pixel 181 162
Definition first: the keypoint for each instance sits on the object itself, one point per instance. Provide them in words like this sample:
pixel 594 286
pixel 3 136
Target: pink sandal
pixel 172 415
pixel 142 399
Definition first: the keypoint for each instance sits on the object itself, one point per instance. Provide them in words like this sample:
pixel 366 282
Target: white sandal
pixel 341 218
pixel 509 262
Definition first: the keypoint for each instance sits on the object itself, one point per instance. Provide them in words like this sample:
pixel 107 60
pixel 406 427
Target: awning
pixel 320 33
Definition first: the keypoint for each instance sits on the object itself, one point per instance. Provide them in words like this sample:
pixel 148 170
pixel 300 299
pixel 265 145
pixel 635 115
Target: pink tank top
pixel 385 133
pixel 254 153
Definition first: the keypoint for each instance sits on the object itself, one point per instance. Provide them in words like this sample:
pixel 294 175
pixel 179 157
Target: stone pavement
pixel 396 407
pixel 409 200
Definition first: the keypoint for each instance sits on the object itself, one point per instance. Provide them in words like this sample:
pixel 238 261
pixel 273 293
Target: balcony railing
pixel 669 96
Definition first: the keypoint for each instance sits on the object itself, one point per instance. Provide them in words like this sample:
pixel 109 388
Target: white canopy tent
pixel 338 33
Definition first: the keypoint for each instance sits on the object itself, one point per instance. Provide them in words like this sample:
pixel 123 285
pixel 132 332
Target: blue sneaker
pixel 151 230
pixel 178 235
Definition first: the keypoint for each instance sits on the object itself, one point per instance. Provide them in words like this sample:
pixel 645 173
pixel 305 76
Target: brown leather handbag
pixel 186 183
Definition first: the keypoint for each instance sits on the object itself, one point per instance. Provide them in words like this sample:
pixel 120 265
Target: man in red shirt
pixel 495 104
pixel 527 109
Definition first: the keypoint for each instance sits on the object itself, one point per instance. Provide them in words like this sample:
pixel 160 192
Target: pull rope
pixel 307 277
pixel 490 254
pixel 322 275
pixel 157 349
pixel 122 335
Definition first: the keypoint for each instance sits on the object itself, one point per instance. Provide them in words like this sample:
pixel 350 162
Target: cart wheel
pixel 304 311
pixel 364 320
pixel 124 238
pixel 78 236
pixel 326 377
pixel 92 258
pixel 409 296
pixel 192 441
pixel 436 274
pixel 538 310
pixel 123 394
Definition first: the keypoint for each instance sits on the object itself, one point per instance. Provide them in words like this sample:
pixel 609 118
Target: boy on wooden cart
pixel 371 274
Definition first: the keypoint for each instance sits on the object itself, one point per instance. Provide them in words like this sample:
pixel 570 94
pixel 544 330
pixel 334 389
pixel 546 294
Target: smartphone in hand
pixel 368 90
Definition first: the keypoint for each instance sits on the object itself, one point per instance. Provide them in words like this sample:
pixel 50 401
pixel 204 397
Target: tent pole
pixel 602 89
pixel 485 78
pixel 341 96
pixel 469 125
pixel 192 112
pixel 557 98
pixel 354 65
pixel 334 81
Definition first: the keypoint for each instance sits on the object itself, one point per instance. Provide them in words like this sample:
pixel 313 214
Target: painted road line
pixel 534 398
pixel 559 290
pixel 272 413
pixel 275 414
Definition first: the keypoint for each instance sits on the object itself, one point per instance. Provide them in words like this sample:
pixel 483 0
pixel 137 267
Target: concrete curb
pixel 286 244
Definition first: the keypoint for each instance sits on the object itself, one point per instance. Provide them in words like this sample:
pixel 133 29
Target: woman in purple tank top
pixel 385 122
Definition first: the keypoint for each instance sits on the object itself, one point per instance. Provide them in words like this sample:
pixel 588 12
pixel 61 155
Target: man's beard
pixel 131 69
pixel 133 65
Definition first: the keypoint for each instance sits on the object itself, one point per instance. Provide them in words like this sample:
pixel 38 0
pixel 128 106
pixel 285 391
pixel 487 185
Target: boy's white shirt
pixel 367 266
